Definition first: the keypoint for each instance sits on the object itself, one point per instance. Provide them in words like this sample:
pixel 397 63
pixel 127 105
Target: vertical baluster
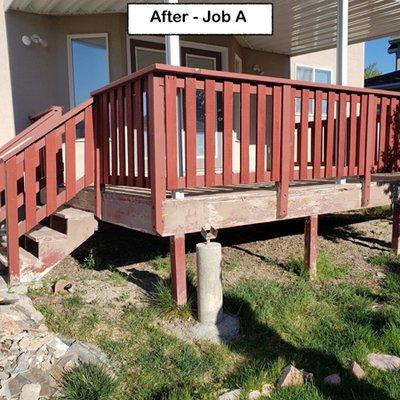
pixel 244 132
pixel 353 135
pixel 130 133
pixel 31 160
pixel 89 147
pixel 70 156
pixel 371 129
pixel 105 122
pixel 12 222
pixel 172 130
pixel 362 134
pixel 382 133
pixel 138 126
pixel 114 138
pixel 191 131
pixel 228 128
pixel 261 131
pixel 317 135
pixel 209 147
pixel 51 173
pixel 305 96
pixel 341 135
pixel 121 136
pixel 276 133
pixel 330 136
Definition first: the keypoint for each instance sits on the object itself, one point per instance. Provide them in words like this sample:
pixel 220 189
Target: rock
pixel 20 289
pixel 333 379
pixel 30 392
pixel 48 385
pixel 68 362
pixel 3 285
pixel 231 395
pixel 25 305
pixel 9 326
pixel 87 354
pixel 57 347
pixel 254 394
pixel 380 275
pixel 356 370
pixel 62 286
pixel 16 384
pixel 384 362
pixel 308 377
pixel 4 375
pixel 267 390
pixel 291 376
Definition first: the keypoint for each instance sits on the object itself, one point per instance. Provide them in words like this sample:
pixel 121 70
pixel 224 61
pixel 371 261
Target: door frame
pixel 183 43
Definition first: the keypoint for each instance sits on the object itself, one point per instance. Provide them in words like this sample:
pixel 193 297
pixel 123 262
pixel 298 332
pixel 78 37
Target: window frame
pixel 313 68
pixel 70 38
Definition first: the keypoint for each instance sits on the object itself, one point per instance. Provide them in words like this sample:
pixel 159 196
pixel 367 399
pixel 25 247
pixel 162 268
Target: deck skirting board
pixel 227 210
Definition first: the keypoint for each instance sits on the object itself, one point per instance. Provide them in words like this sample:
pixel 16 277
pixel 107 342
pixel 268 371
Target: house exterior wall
pixel 327 59
pixel 7 127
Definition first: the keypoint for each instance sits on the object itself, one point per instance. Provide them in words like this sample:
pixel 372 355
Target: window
pixel 312 74
pixel 147 56
pixel 88 65
pixel 238 64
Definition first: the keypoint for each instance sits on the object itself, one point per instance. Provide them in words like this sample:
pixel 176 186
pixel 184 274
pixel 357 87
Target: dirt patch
pixel 124 271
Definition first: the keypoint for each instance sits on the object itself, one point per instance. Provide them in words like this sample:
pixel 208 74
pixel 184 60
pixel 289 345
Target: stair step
pixel 48 245
pixel 70 220
pixel 30 265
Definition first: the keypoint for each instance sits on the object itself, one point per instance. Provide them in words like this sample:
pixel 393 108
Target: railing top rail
pixel 236 77
pixel 40 130
pixel 52 112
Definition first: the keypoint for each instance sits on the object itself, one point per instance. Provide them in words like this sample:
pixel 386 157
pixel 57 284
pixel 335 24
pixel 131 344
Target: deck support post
pixel 178 269
pixel 396 228
pixel 311 245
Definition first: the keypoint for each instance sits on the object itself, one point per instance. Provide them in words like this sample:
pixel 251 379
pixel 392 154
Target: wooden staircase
pixel 39 175
pixel 48 243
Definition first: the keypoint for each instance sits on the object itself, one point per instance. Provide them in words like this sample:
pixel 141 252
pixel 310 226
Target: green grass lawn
pixel 318 327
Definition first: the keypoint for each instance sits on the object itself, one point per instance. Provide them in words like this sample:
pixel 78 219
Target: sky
pixel 376 51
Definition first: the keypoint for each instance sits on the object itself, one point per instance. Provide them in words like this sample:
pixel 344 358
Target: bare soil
pixel 258 251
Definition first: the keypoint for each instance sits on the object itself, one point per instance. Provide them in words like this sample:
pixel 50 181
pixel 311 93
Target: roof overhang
pixel 300 26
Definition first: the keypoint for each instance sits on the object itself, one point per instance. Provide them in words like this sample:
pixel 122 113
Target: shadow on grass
pixel 262 346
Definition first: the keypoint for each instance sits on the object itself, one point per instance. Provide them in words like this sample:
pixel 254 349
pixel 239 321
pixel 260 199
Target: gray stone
pixel 4 375
pixel 30 392
pixel 44 379
pixel 254 394
pixel 384 362
pixel 291 376
pixel 267 390
pixel 333 379
pixel 16 384
pixel 231 395
pixel 3 285
pixel 87 354
pixel 380 275
pixel 68 362
pixel 57 347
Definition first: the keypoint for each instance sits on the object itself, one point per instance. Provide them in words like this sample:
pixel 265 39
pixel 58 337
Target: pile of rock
pixel 32 359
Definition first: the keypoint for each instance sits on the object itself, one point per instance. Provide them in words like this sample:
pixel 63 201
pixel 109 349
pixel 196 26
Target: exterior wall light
pixel 34 39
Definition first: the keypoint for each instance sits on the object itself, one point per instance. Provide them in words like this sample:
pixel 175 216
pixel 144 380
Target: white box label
pixel 199 19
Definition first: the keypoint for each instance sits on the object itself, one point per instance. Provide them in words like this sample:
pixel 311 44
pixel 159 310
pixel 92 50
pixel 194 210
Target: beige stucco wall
pixel 7 128
pixel 327 59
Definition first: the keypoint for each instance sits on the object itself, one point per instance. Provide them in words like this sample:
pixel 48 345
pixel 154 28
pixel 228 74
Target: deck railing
pixel 172 128
pixel 39 173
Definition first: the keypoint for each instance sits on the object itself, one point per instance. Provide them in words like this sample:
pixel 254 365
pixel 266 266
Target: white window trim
pixel 313 68
pixel 184 43
pixel 239 60
pixel 70 65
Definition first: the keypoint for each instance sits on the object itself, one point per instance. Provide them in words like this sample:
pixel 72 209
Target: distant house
pixel 390 81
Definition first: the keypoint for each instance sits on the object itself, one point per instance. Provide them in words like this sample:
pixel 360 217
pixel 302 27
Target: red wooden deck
pixel 294 139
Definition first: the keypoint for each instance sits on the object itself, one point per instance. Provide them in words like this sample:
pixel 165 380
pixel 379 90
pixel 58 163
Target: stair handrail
pixel 36 132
